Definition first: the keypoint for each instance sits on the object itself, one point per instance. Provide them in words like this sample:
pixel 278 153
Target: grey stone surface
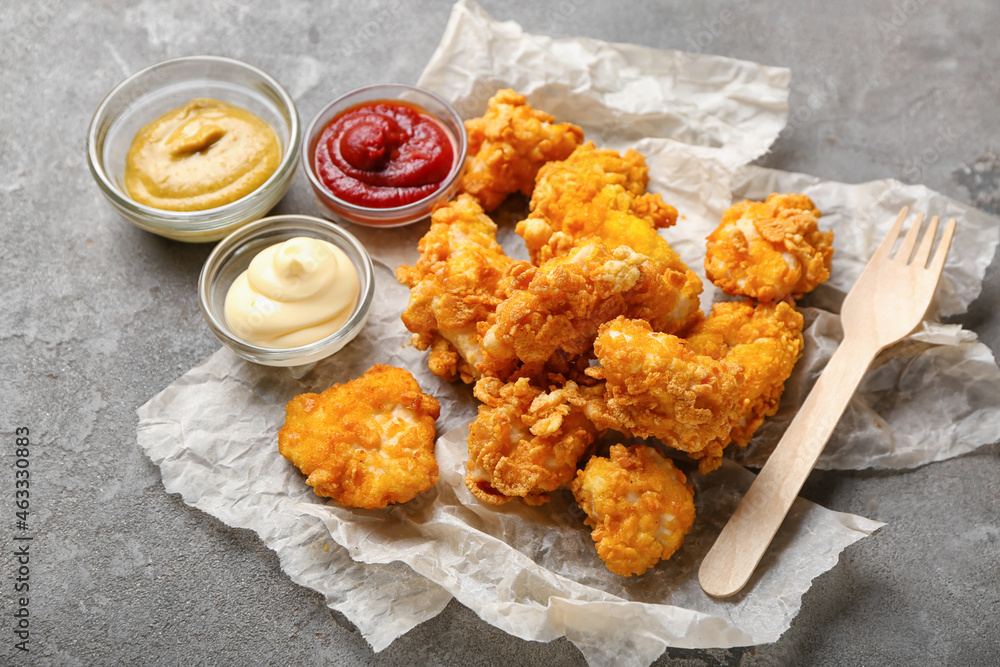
pixel 96 317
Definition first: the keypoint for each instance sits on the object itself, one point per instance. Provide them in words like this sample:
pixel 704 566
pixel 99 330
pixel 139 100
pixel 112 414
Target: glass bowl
pixel 148 94
pixel 436 106
pixel 232 257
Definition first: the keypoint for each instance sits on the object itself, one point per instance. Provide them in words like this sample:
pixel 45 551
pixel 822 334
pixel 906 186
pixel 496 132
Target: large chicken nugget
pixel 366 443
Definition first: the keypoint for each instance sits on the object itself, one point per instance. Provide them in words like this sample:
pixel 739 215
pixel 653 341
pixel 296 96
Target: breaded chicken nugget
pixel 526 440
pixel 601 194
pixel 509 144
pixel 639 506
pixel 454 286
pixel 659 387
pixel 769 250
pixel 558 306
pixel 766 341
pixel 575 195
pixel 667 294
pixel 366 443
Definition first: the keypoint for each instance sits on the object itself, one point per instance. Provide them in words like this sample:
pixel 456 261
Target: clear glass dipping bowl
pixel 148 94
pixel 433 104
pixel 232 257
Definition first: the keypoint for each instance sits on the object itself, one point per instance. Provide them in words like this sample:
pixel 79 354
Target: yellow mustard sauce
pixel 202 155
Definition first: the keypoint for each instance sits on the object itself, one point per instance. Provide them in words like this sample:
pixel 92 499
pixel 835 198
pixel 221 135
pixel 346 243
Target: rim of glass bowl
pixel 195 223
pixel 383 217
pixel 302 354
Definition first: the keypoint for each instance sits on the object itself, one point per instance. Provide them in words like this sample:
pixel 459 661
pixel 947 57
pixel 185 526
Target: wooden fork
pixel 888 302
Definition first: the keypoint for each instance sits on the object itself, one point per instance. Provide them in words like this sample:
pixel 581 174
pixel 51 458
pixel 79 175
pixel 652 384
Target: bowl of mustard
pixel 193 148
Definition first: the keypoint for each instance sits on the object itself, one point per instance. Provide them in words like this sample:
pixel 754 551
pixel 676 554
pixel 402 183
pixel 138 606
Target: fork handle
pixel 733 558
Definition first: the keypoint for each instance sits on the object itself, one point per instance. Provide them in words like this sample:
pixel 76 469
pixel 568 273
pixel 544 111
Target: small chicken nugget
pixel 766 341
pixel 639 506
pixel 455 286
pixel 576 194
pixel 509 144
pixel 365 443
pixel 526 441
pixel 769 250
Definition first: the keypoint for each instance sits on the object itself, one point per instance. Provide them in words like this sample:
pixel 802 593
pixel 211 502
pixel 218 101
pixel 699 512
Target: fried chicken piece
pixel 558 306
pixel 509 144
pixel 455 285
pixel 365 443
pixel 765 341
pixel 667 295
pixel 639 506
pixel 658 386
pixel 769 250
pixel 526 441
pixel 576 194
pixel 601 194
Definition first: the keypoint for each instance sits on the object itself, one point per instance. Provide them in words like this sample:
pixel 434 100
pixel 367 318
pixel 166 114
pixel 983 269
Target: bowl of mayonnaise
pixel 287 290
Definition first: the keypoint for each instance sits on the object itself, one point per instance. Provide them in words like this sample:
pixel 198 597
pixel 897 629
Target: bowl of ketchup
pixel 384 155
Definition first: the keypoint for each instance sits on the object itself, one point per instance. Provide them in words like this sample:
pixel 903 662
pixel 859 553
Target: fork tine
pixel 910 240
pixel 937 264
pixel 885 248
pixel 924 251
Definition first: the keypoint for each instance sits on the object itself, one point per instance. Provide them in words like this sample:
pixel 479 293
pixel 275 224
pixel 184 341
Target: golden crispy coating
pixel 601 194
pixel 509 144
pixel 765 341
pixel 659 387
pixel 576 194
pixel 558 306
pixel 454 286
pixel 366 443
pixel 769 250
pixel 668 295
pixel 639 506
pixel 526 441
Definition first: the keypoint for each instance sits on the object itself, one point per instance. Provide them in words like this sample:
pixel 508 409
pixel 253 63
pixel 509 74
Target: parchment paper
pixel 533 571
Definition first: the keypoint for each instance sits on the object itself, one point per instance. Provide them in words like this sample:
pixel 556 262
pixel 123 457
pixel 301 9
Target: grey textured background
pixel 96 317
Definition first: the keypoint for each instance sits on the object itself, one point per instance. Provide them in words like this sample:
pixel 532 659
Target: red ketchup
pixel 383 154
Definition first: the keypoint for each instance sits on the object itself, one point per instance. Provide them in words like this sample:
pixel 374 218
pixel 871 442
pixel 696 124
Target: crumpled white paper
pixel 533 571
